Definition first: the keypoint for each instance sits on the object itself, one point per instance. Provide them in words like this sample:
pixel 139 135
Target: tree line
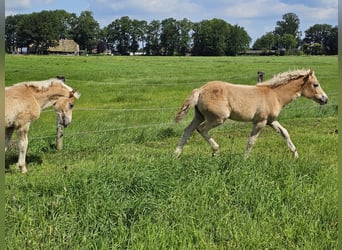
pixel 216 37
pixel 319 39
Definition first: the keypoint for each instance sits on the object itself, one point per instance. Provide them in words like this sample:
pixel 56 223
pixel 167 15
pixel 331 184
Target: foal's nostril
pixel 324 100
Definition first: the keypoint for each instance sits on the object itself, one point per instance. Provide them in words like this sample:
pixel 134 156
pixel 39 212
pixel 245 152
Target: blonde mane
pixel 44 85
pixel 284 78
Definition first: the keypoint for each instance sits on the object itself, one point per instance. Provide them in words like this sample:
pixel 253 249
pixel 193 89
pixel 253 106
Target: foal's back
pixel 20 106
pixel 236 102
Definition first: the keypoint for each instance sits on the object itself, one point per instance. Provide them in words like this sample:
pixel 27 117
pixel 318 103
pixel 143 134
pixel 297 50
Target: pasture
pixel 115 184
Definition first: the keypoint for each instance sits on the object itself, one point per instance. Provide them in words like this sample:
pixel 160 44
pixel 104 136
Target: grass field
pixel 115 184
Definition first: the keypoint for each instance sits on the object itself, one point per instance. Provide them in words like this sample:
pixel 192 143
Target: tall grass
pixel 115 184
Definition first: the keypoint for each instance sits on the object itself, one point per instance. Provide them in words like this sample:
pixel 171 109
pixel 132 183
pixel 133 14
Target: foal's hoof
pixel 177 153
pixel 22 169
pixel 215 153
pixel 295 155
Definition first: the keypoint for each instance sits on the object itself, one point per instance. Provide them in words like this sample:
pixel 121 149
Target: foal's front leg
pixel 280 129
pixel 254 136
pixel 22 145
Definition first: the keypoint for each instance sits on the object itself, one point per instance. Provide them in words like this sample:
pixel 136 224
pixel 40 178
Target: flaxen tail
pixel 189 102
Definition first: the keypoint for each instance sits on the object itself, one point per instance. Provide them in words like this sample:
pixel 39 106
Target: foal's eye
pixel 71 105
pixel 315 85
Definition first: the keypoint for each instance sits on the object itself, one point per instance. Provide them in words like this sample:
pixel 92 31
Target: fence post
pixel 59 134
pixel 261 76
pixel 60 127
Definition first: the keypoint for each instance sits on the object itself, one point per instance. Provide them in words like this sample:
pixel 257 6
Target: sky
pixel 257 17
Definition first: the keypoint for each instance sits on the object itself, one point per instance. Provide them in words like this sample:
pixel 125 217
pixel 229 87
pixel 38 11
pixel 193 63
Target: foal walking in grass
pixel 217 101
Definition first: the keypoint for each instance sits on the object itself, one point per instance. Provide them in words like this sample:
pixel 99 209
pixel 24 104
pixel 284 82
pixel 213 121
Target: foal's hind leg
pixel 280 129
pixel 198 119
pixel 8 135
pixel 257 127
pixel 204 129
pixel 22 145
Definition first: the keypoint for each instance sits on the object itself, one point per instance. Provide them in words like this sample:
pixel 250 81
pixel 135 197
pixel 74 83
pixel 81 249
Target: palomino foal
pixel 217 101
pixel 24 102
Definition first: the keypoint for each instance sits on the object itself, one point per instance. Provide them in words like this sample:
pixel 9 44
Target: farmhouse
pixel 65 46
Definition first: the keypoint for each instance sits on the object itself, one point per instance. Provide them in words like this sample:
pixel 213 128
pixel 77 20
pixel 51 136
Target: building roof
pixel 65 46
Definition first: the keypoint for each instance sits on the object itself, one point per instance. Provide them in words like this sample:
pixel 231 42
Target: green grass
pixel 115 184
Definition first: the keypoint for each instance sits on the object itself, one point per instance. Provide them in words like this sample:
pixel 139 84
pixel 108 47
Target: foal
pixel 24 103
pixel 217 101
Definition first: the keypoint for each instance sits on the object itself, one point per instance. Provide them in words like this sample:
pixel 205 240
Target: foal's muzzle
pixel 65 122
pixel 323 99
pixel 63 119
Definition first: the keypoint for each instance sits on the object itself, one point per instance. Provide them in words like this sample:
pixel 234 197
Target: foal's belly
pixel 238 116
pixel 249 115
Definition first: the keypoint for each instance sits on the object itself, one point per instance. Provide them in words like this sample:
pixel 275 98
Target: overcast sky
pixel 256 16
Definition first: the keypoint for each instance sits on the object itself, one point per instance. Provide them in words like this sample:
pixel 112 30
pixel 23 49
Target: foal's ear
pixel 75 94
pixel 311 72
pixel 62 78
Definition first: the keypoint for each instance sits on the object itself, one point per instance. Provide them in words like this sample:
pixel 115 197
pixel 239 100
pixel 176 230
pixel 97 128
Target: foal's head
pixel 64 105
pixel 312 89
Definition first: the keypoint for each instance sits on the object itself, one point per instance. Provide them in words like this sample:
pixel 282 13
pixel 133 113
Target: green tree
pixel 38 31
pixel 11 32
pixel 317 33
pixel 113 34
pixel 67 22
pixel 313 49
pixel 123 30
pixel 169 36
pixel 323 34
pixel 332 41
pixel 119 35
pixel 137 34
pixel 86 31
pixel 289 25
pixel 102 41
pixel 287 41
pixel 184 36
pixel 210 37
pixel 200 37
pixel 266 42
pixel 153 32
pixel 125 34
pixel 238 40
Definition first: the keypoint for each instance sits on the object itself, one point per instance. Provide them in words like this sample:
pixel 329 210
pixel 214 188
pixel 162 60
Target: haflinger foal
pixel 217 101
pixel 24 103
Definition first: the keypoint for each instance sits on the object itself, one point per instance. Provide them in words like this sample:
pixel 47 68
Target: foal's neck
pixel 289 92
pixel 48 97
